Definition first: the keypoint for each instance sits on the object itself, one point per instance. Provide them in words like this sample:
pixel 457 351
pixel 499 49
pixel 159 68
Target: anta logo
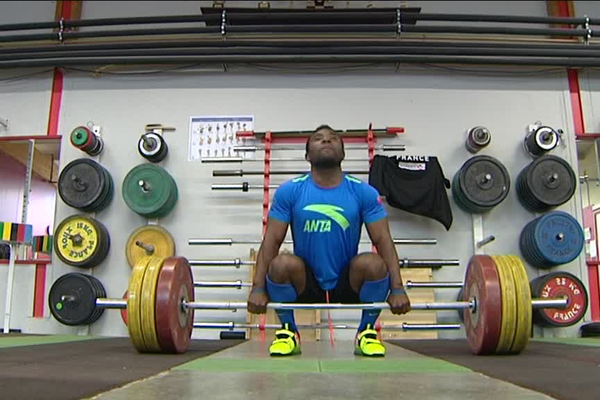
pixel 324 225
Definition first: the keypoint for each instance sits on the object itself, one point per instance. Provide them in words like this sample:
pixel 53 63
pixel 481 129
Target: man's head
pixel 324 148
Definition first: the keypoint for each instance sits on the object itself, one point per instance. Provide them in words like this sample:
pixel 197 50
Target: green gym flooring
pixel 83 367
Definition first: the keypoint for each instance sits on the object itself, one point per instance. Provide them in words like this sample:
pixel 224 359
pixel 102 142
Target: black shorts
pixel 342 293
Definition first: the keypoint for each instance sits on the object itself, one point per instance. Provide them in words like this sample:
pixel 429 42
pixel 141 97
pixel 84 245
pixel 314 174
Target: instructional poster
pixel 215 136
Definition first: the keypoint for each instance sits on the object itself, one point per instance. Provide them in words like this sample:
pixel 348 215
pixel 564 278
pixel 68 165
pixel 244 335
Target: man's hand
pixel 399 303
pixel 257 301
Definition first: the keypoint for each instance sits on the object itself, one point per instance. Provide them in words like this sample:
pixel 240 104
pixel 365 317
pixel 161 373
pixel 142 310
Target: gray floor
pixel 321 372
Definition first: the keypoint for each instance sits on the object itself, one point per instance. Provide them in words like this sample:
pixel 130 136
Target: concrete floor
pixel 321 372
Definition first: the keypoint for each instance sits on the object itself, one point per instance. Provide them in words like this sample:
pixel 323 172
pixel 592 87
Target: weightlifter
pixel 326 209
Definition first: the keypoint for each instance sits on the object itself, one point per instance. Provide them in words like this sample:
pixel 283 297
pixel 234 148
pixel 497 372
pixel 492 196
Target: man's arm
pixel 379 232
pixel 269 248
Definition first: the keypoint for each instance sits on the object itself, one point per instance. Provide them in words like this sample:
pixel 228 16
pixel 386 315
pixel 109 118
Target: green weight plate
pixel 80 136
pixel 147 189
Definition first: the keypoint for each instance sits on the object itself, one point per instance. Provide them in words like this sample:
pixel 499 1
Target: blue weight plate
pixel 558 237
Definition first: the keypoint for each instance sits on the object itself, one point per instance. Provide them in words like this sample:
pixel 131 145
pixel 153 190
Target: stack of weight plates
pixel 480 184
pixel 85 185
pixel 86 141
pixel 81 241
pixel 153 147
pixel 72 299
pixel 545 183
pixel 553 239
pixel 150 191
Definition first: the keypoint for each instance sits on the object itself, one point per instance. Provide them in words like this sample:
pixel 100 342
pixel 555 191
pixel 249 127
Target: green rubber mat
pixel 26 340
pixel 594 342
pixel 297 364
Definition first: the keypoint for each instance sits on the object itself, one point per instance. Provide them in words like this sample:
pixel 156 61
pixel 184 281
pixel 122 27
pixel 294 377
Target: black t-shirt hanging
pixel 415 184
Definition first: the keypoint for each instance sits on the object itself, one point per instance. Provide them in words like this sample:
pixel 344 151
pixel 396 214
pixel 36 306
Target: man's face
pixel 325 149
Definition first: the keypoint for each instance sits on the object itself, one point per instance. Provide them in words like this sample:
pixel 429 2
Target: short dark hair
pixel 320 127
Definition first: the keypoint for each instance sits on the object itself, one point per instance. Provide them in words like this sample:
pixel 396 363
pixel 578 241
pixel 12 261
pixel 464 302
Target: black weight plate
pixel 555 285
pixel 100 293
pixel 81 183
pixel 108 193
pixel 551 181
pixel 591 329
pixel 484 181
pixel 72 299
pixel 104 245
pixel 459 197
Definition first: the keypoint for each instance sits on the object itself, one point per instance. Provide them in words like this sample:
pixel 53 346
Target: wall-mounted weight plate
pixel 557 285
pixel 81 241
pixel 134 305
pixel 480 184
pixel 540 141
pixel 509 306
pixel 483 325
pixel 552 239
pixel 477 138
pixel 173 322
pixel 85 185
pixel 81 137
pixel 150 190
pixel 546 183
pixel 153 147
pixel 72 299
pixel 100 293
pixel 149 240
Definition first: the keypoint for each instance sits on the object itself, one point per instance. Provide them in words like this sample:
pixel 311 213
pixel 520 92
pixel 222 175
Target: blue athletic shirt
pixel 326 223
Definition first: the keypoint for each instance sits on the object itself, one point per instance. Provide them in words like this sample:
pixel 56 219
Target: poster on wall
pixel 214 136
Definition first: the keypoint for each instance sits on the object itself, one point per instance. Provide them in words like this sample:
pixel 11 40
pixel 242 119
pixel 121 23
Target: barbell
pixel 160 304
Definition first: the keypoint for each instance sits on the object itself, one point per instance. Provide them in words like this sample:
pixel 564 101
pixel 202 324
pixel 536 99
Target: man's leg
pixel 286 277
pixel 368 276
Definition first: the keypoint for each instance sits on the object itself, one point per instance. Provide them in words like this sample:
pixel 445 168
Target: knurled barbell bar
pixel 161 301
pixel 385 147
pixel 220 160
pixel 230 241
pixel 408 284
pixel 378 327
pixel 404 263
pixel 242 172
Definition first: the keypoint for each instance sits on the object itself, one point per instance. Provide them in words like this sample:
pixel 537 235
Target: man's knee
pixel 371 266
pixel 283 266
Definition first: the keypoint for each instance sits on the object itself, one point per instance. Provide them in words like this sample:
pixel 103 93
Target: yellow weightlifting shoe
pixel 286 343
pixel 367 344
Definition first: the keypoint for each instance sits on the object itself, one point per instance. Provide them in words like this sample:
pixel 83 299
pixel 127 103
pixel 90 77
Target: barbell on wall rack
pixel 219 160
pixel 241 172
pixel 230 241
pixel 404 263
pixel 276 147
pixel 497 304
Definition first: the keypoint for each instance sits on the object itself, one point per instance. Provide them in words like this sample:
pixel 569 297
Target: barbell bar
pixel 398 327
pixel 219 160
pixel 384 147
pixel 241 172
pixel 230 241
pixel 405 263
pixel 240 305
pixel 408 284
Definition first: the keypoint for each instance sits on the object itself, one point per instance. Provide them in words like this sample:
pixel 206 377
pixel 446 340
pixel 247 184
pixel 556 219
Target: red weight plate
pixel 124 310
pixel 562 284
pixel 173 324
pixel 483 326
